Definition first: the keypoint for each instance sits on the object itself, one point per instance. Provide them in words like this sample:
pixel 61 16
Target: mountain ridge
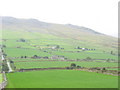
pixel 10 20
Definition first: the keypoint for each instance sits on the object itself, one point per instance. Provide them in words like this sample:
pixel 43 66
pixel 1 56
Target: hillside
pixel 55 54
pixel 13 28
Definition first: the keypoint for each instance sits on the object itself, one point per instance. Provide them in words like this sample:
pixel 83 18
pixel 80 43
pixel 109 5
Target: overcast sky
pixel 99 15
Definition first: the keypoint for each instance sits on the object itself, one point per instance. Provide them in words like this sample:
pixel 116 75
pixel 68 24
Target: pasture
pixel 1 78
pixel 61 79
pixel 48 64
pixel 19 45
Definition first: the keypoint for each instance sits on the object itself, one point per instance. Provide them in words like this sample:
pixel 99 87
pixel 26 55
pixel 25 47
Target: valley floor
pixel 61 79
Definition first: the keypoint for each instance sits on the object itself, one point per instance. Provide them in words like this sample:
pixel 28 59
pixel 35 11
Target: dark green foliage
pixel 14 67
pixel 4 46
pixel 4 54
pixel 111 52
pixel 25 57
pixel 88 58
pixel 11 61
pixel 104 69
pixel 78 66
pixel 5 66
pixel 22 40
pixel 57 47
pixel 78 47
pixel 35 56
pixel 73 65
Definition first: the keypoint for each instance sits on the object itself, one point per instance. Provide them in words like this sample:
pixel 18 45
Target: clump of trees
pixel 23 56
pixel 21 40
pixel 88 58
pixel 36 56
pixel 4 46
pixel 57 47
pixel 74 66
pixel 5 66
pixel 4 54
pixel 12 65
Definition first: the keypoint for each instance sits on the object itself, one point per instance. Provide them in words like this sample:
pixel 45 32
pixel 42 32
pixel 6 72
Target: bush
pixel 11 62
pixel 5 67
pixel 78 66
pixel 88 58
pixel 104 69
pixel 73 65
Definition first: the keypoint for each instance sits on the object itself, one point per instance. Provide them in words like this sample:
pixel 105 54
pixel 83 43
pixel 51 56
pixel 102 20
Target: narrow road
pixel 2 57
pixel 10 69
pixel 8 63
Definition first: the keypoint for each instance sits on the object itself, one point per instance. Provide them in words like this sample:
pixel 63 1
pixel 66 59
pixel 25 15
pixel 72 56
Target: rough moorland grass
pixel 61 79
pixel 47 64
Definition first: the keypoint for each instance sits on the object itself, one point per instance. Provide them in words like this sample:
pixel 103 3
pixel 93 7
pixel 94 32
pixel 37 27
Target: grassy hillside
pixel 29 43
pixel 65 34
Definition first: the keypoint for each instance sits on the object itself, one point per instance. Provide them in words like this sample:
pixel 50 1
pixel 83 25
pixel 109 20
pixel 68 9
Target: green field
pixel 37 44
pixel 47 64
pixel 61 79
pixel 0 78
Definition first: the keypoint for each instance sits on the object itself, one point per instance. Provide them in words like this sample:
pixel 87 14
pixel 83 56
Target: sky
pixel 99 15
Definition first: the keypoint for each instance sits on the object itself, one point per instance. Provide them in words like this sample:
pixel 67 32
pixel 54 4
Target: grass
pixel 61 79
pixel 39 40
pixel 47 64
pixel 37 43
pixel 18 52
pixel 0 78
pixel 84 54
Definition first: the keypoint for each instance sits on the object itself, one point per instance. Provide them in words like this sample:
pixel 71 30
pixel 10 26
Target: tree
pixel 14 67
pixel 78 47
pixel 88 58
pixel 11 62
pixel 57 46
pixel 5 67
pixel 35 56
pixel 111 52
pixel 104 69
pixel 78 66
pixel 25 57
pixel 21 56
pixel 4 54
pixel 4 46
pixel 73 65
pixel 22 40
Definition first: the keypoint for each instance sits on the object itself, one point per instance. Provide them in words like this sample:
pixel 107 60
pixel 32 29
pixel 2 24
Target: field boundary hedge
pixel 32 69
